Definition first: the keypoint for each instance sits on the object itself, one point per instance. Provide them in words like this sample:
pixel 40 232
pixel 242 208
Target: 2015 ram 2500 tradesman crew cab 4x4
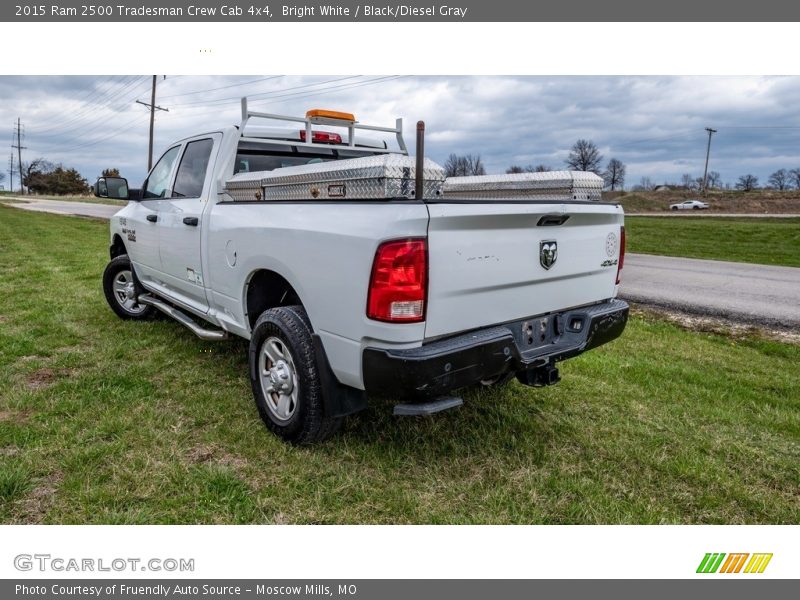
pixel 354 269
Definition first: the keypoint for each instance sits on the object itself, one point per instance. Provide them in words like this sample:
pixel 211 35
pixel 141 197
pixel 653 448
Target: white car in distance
pixel 689 205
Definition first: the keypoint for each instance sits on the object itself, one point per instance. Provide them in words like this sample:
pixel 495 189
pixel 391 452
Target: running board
pixel 419 409
pixel 212 335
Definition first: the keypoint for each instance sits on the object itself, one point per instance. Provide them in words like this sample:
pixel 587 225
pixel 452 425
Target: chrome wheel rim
pixel 125 292
pixel 278 376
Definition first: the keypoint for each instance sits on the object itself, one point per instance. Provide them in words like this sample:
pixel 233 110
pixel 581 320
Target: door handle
pixel 152 218
pixel 190 221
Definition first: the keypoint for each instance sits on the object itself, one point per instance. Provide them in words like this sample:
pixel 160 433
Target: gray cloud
pixel 654 124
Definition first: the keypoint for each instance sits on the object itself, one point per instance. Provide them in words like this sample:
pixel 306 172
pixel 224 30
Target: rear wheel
pixel 120 290
pixel 283 374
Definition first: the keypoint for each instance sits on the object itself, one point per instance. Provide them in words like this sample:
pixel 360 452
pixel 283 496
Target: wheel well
pixel 117 247
pixel 266 290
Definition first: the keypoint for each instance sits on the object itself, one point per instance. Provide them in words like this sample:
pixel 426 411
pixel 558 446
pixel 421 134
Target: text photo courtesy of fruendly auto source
pixel 400 299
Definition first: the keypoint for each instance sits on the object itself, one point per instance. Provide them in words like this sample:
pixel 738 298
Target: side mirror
pixel 115 188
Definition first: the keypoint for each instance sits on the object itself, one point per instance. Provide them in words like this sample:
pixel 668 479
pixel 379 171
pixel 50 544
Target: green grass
pixel 106 421
pixel 754 240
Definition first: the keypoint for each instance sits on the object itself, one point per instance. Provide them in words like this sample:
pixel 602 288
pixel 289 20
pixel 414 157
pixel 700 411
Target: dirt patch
pixel 15 416
pixel 209 454
pixel 3 319
pixel 718 325
pixel 36 505
pixel 44 378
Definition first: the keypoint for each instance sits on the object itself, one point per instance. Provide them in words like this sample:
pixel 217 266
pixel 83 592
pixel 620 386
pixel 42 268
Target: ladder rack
pixel 309 136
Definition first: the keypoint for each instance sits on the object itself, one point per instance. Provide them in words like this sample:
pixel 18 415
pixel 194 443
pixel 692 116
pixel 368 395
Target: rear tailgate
pixel 486 264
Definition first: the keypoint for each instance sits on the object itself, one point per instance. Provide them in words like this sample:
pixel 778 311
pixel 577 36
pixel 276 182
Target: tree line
pixel 40 176
pixel 584 155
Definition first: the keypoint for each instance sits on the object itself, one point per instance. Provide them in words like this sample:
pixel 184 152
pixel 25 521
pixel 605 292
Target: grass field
pixel 723 201
pixel 760 240
pixel 105 421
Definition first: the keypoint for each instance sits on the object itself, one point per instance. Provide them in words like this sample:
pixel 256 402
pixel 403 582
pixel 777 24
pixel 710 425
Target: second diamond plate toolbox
pixel 555 186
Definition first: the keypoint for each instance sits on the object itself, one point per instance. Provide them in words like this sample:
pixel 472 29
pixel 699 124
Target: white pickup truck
pixel 356 270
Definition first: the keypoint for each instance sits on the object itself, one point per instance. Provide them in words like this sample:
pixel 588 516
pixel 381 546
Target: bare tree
pixel 714 180
pixel 584 156
pixel 646 184
pixel 780 179
pixel 747 183
pixel 461 166
pixel 688 181
pixel 514 169
pixel 794 178
pixel 614 175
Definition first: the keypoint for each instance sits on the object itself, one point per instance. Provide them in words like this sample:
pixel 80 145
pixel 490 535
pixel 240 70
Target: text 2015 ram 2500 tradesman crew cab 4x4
pixel 354 269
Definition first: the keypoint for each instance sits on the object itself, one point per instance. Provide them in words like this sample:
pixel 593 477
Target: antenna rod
pixel 419 183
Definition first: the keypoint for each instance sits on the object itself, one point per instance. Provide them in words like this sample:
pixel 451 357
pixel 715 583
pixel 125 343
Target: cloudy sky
pixel 655 125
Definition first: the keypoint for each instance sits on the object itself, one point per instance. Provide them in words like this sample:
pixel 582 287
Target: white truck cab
pixel 354 269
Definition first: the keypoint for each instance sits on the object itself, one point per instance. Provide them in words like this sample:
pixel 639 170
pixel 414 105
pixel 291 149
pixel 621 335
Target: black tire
pixel 117 271
pixel 304 422
pixel 674 208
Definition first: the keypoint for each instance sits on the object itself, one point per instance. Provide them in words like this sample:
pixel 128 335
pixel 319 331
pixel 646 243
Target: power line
pixel 224 87
pixel 302 95
pixel 103 98
pixel 85 115
pixel 216 101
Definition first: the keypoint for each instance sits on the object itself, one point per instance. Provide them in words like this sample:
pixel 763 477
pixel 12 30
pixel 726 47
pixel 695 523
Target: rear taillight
pixel 398 284
pixel 322 137
pixel 621 253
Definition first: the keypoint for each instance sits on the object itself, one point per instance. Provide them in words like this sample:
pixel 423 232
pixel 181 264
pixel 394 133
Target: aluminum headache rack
pixel 382 177
pixel 331 118
pixel 555 186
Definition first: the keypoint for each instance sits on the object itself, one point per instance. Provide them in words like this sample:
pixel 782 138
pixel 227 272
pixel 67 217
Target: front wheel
pixel 283 374
pixel 120 290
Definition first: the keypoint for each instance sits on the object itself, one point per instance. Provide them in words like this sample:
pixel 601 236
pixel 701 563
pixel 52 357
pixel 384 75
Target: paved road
pixel 63 207
pixel 755 294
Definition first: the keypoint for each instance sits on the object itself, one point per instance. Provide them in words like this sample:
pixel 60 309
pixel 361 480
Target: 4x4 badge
pixel 548 253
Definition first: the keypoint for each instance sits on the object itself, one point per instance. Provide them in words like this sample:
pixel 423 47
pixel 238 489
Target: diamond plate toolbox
pixel 555 186
pixel 368 178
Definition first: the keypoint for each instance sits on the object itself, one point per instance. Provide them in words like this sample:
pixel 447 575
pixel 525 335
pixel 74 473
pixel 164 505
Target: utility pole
pixel 153 108
pixel 708 153
pixel 19 148
pixel 11 172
